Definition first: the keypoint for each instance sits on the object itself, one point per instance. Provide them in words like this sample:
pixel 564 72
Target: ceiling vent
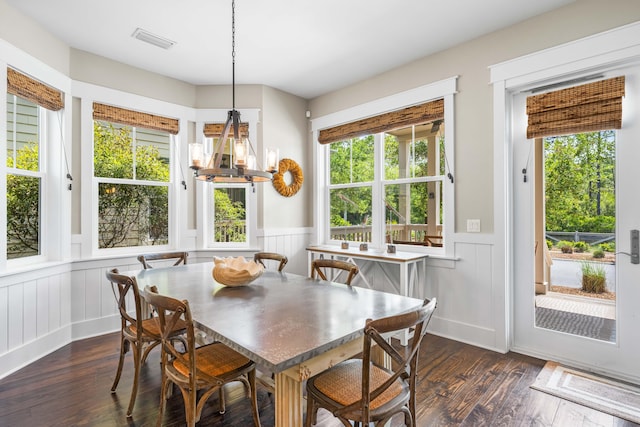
pixel 147 37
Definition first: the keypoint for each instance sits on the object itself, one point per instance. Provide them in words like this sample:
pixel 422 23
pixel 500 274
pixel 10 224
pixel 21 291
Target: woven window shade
pixel 585 108
pixel 417 114
pixel 214 130
pixel 134 118
pixel 25 87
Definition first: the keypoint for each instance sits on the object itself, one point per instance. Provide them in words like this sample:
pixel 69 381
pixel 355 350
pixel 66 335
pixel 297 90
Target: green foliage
pixel 338 221
pixel 549 244
pixel 608 246
pixel 580 185
pixel 598 253
pixel 565 246
pixel 352 160
pixel 594 277
pixel 352 205
pixel 129 215
pixel 580 247
pixel 23 205
pixel 230 218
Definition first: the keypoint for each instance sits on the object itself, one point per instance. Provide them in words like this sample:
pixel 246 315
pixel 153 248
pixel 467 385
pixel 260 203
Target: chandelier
pixel 244 170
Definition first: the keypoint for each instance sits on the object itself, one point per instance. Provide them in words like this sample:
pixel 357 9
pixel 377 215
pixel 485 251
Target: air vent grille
pixel 153 39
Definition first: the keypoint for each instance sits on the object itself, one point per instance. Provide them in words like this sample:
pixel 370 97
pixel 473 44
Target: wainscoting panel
pixel 35 316
pixel 46 308
pixel 289 242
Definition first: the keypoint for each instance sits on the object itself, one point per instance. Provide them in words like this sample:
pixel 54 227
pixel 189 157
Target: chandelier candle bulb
pixel 196 153
pixel 272 159
pixel 251 162
pixel 240 150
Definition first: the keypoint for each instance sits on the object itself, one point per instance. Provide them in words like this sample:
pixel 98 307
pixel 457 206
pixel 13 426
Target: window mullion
pixel 134 148
pixel 377 192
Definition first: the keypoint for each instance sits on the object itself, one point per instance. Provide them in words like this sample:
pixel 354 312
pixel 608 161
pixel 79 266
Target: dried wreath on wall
pixel 297 177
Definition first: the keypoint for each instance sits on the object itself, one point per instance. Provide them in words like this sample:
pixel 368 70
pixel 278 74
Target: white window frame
pixel 205 213
pixel 88 94
pixel 55 200
pixel 41 174
pixel 97 180
pixel 444 89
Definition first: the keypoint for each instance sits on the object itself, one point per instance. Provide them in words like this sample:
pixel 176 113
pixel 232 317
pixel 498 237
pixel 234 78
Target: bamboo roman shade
pixel 123 116
pixel 25 87
pixel 214 130
pixel 423 113
pixel 585 108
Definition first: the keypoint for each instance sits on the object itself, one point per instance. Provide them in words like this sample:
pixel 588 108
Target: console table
pixel 407 262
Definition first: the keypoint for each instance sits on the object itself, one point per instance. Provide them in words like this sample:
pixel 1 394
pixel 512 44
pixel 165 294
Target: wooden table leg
pixel 289 400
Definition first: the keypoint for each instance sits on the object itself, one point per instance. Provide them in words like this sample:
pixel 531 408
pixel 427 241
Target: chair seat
pixel 216 360
pixel 152 327
pixel 343 384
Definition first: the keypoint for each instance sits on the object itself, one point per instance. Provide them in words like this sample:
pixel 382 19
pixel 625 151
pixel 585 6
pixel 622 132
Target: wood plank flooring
pixel 460 385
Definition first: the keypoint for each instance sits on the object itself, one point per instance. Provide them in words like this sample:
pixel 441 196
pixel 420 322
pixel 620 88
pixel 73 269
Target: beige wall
pixel 27 35
pixel 473 103
pixel 98 70
pixel 284 126
pixel 247 96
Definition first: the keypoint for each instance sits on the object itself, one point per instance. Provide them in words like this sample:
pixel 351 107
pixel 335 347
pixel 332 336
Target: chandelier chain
pixel 233 53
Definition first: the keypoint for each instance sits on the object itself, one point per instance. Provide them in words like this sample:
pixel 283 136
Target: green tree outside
pixel 23 204
pixel 128 214
pixel 580 182
pixel 230 216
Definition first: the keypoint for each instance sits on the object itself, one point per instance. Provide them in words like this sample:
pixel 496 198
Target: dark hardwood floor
pixel 460 385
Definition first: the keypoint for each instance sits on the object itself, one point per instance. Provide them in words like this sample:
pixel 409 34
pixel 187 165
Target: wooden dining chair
pixel 360 391
pixel 141 335
pixel 148 260
pixel 320 264
pixel 261 256
pixel 197 372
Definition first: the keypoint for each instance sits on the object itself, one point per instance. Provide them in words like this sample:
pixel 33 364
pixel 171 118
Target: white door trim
pixel 610 49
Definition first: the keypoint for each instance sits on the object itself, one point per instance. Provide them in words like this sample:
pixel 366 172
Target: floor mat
pixel 576 323
pixel 603 394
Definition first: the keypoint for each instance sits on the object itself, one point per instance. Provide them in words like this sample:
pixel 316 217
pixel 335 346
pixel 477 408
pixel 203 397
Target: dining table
pixel 288 324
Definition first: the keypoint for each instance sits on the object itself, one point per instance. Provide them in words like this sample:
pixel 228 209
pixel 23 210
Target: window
pixel 31 108
pixel 408 179
pixel 414 171
pixel 229 217
pixel 385 172
pixel 25 177
pixel 132 169
pixel 230 214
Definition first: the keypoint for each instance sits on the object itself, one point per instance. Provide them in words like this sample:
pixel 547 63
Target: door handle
pixel 635 247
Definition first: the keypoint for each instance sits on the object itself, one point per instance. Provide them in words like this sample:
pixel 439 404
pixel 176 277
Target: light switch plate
pixel 473 226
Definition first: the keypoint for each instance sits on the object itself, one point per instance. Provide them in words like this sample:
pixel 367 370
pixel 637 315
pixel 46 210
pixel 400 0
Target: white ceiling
pixel 304 47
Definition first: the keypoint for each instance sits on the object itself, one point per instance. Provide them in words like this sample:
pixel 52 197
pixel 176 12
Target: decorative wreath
pixel 288 165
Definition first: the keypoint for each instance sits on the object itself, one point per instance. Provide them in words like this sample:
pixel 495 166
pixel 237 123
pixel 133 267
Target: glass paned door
pixel 610 341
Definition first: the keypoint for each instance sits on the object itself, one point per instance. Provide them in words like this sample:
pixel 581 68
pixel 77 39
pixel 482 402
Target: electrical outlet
pixel 473 226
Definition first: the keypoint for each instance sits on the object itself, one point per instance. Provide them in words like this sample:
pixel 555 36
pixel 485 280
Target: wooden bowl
pixel 236 271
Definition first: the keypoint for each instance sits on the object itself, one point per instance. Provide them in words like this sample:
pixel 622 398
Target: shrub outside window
pixel 230 214
pixel 132 169
pixel 24 177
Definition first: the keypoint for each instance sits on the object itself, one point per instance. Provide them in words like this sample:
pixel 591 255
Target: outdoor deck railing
pixel 230 231
pixel 395 232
